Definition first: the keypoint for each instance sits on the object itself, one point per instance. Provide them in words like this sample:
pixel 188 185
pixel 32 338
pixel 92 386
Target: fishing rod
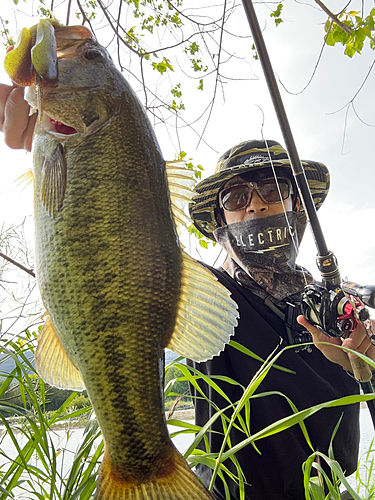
pixel 335 307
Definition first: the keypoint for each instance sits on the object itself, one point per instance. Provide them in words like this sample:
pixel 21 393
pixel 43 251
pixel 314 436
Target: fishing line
pixel 294 236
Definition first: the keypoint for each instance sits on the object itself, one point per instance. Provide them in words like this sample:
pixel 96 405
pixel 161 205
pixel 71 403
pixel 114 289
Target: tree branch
pixel 104 10
pixel 29 271
pixel 217 73
pixel 84 17
pixel 333 16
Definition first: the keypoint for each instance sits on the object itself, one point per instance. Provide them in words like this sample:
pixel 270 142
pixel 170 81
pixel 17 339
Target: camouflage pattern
pixel 262 254
pixel 242 158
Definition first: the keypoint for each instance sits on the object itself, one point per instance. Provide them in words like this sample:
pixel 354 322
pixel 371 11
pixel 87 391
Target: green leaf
pixel 197 65
pixel 339 35
pixel 367 31
pixel 360 36
pixel 246 351
pixel 163 66
pixel 349 51
pixel 176 90
pixel 277 13
pixel 287 422
pixel 193 48
pixel 330 39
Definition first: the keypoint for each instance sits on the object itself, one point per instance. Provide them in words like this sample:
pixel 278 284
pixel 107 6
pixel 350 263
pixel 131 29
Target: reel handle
pixel 361 370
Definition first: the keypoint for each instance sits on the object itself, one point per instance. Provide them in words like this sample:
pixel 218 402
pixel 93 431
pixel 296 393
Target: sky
pixel 323 128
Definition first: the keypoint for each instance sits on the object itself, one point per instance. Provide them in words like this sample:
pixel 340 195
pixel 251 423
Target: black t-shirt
pixel 276 473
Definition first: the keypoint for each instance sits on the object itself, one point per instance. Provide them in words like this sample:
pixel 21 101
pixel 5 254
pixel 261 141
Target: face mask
pixel 264 251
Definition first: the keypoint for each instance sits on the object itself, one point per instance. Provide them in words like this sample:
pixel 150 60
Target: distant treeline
pixel 52 398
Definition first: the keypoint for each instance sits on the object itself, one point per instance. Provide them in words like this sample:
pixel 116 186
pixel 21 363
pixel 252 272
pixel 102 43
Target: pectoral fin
pixel 206 316
pixel 25 180
pixel 53 183
pixel 52 362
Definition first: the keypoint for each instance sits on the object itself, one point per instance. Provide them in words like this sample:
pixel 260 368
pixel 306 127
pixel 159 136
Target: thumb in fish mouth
pixel 36 51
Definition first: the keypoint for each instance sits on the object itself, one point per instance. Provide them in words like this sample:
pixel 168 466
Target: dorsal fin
pixel 206 315
pixel 180 181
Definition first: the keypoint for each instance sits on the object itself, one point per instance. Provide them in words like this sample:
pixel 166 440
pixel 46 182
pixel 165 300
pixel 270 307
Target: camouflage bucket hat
pixel 242 158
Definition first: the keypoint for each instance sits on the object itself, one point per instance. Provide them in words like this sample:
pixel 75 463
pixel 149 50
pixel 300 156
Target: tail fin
pixel 180 484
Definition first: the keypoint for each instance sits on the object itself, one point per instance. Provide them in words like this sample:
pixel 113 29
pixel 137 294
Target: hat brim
pixel 204 205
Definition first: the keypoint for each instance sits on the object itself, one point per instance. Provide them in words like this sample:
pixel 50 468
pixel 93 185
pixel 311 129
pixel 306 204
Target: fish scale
pixel 91 210
pixel 112 276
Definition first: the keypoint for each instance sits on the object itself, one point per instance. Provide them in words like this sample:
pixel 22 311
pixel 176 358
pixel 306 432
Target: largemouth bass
pixel 116 285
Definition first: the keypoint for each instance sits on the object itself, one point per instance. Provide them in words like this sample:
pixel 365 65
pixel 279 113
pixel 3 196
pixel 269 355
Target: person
pixel 238 206
pixel 260 222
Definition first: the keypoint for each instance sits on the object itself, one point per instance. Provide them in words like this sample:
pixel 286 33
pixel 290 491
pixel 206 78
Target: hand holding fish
pixel 15 121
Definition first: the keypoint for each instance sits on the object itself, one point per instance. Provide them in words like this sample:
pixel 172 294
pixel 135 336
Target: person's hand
pixel 358 341
pixel 15 122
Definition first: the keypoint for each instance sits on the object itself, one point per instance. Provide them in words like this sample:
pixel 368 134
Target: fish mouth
pixel 48 122
pixel 61 128
pixel 55 127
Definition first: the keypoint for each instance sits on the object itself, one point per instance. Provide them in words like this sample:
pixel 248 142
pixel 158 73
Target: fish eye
pixel 92 54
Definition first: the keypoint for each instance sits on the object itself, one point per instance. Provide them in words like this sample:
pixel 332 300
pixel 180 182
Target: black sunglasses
pixel 238 196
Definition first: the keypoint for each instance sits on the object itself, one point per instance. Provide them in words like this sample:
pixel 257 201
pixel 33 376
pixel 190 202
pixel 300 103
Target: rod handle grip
pixel 361 370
